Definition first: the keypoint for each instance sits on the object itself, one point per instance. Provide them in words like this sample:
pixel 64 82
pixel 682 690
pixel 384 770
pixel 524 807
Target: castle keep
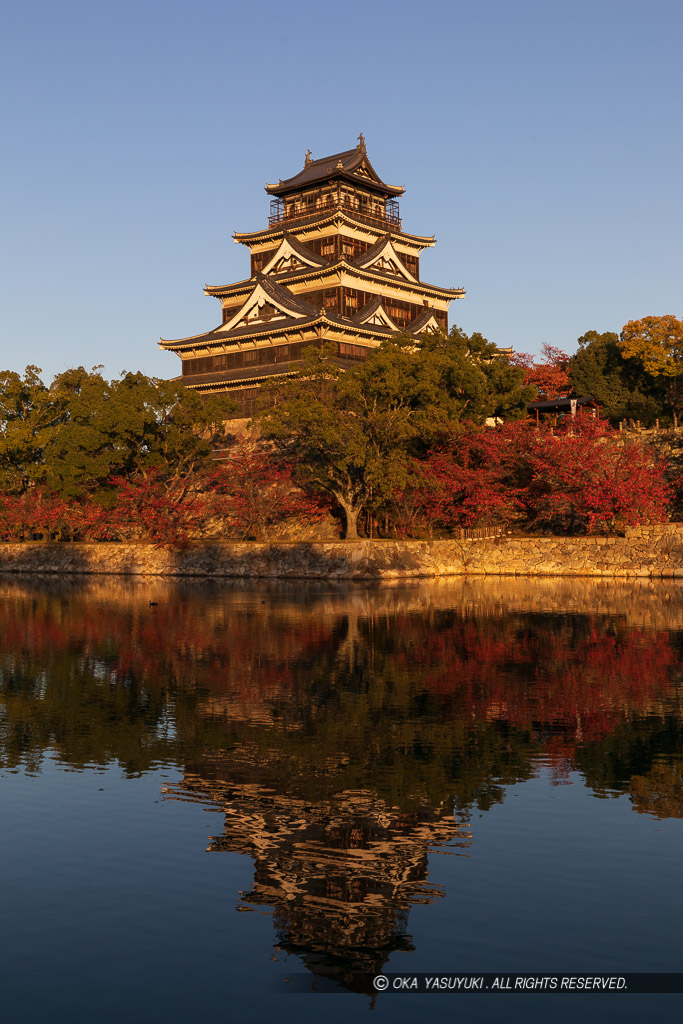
pixel 333 265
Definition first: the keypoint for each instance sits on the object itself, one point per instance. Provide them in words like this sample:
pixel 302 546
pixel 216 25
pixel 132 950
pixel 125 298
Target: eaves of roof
pixel 375 275
pixel 561 404
pixel 244 237
pixel 217 337
pixel 273 329
pixel 244 373
pixel 314 273
pixel 270 285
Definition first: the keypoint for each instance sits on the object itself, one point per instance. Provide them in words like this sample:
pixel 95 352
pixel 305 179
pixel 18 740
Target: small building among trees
pixel 565 407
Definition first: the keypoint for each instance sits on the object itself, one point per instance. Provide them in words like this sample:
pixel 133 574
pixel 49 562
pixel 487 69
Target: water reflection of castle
pixel 340 873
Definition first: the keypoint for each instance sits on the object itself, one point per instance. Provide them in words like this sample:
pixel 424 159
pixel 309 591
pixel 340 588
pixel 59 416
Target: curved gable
pixel 375 315
pixel 268 301
pixel 424 322
pixel 382 256
pixel 292 255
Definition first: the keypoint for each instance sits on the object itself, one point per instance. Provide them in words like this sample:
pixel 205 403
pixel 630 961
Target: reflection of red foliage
pixel 182 642
pixel 563 680
pixel 564 688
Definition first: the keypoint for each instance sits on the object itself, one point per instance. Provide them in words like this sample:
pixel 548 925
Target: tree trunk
pixel 351 521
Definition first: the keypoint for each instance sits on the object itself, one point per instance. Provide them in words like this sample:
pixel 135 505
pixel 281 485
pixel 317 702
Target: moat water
pixel 231 802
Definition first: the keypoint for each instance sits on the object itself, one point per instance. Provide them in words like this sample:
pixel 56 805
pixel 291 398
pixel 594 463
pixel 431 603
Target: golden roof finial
pixel 361 142
pixel 307 158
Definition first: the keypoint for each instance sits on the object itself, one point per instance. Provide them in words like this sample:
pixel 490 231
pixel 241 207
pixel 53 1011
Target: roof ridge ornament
pixel 361 142
pixel 307 158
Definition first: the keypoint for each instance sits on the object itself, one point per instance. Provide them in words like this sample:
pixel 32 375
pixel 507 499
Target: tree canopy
pixel 397 439
pixel 354 433
pixel 82 430
pixel 548 376
pixel 657 343
pixel 600 369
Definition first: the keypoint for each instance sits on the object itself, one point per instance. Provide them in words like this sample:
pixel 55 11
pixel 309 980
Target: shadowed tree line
pixel 395 446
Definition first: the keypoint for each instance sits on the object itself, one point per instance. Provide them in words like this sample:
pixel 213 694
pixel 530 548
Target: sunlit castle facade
pixel 333 266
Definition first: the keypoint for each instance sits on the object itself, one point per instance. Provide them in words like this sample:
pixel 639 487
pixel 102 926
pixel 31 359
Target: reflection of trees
pixel 660 792
pixel 566 680
pixel 338 738
pixel 641 757
pixel 434 705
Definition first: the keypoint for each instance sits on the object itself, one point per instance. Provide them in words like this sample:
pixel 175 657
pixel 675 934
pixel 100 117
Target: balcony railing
pixel 281 212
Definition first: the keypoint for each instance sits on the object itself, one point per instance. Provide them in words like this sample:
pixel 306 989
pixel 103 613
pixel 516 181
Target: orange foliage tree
pixel 549 375
pixel 657 342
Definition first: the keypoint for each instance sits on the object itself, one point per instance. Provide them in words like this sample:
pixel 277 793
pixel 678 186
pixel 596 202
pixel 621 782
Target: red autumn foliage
pixel 37 512
pixel 246 496
pixel 148 507
pixel 465 484
pixel 586 477
pixel 252 493
pixel 548 375
pixel 583 477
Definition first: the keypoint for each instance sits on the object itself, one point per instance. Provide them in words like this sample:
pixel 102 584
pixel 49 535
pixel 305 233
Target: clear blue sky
pixel 539 140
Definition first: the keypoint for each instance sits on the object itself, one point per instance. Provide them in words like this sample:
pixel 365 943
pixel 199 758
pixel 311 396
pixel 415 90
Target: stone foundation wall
pixel 645 552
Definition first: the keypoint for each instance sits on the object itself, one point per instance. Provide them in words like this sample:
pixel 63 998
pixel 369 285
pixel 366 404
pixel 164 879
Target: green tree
pixel 508 393
pixel 27 412
pixel 354 434
pixel 84 447
pixel 131 425
pixel 185 428
pixel 601 370
pixel 313 422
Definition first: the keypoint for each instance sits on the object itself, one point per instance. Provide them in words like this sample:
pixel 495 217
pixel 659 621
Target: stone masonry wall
pixel 654 551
